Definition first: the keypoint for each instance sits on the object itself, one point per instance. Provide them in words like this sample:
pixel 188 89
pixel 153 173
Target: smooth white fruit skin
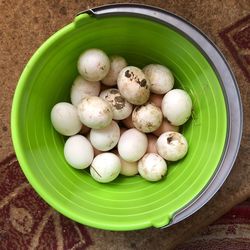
pixel 129 168
pixel 120 107
pixel 96 151
pixel 93 64
pixel 106 138
pixel 117 63
pixel 172 146
pixel 94 112
pixel 176 106
pixel 132 145
pixel 152 167
pixel 133 85
pixel 78 152
pixel 82 88
pixel 160 77
pixel 65 119
pixel 105 167
pixel 147 118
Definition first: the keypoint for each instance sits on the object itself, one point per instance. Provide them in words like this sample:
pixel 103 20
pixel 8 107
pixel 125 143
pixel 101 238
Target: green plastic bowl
pixel 126 203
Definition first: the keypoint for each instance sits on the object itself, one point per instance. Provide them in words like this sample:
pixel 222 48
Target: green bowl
pixel 126 203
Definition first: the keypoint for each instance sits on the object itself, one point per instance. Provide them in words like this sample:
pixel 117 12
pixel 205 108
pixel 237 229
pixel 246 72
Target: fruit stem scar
pixel 169 139
pixel 127 74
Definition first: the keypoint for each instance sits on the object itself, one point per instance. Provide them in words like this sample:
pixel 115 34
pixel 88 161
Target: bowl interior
pixel 126 203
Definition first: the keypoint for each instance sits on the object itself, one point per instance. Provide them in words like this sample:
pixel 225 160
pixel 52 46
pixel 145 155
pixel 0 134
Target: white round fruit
pixel 106 138
pixel 147 118
pixel 177 106
pixel 172 146
pixel 78 152
pixel 120 107
pixel 105 167
pixel 82 88
pixel 132 145
pixel 152 167
pixel 133 85
pixel 117 63
pixel 65 119
pixel 160 77
pixel 94 112
pixel 93 64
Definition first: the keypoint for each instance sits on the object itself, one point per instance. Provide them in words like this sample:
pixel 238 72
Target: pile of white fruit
pixel 127 123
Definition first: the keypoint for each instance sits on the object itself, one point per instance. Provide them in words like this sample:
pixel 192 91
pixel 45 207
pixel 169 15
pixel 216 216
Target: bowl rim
pixel 226 79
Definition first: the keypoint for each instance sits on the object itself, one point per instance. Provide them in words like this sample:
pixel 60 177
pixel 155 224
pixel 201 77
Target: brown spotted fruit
pixel 120 107
pixel 133 85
